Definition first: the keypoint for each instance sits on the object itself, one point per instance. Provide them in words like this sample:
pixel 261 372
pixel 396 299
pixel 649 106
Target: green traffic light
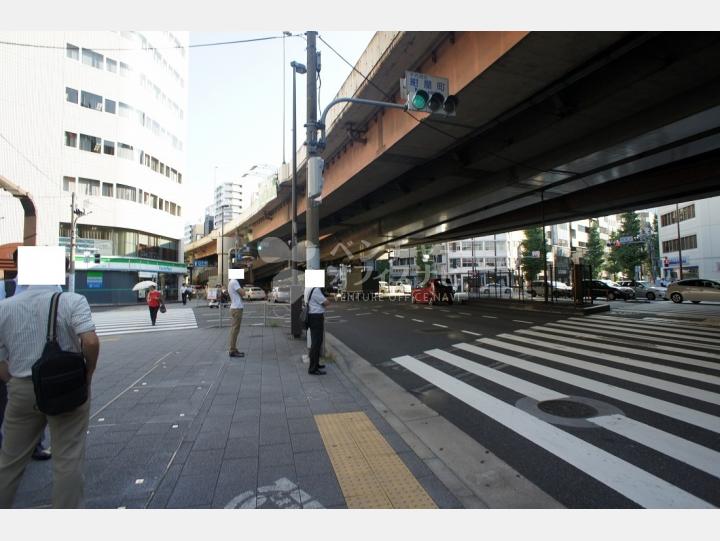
pixel 420 99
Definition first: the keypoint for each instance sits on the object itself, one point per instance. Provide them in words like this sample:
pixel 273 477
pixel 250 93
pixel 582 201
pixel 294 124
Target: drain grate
pixel 567 408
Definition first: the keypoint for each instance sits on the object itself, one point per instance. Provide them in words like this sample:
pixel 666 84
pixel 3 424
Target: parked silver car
pixel 695 290
pixel 644 289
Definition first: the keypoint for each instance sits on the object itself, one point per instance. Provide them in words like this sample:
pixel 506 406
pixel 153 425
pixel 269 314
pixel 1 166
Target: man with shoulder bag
pixel 51 348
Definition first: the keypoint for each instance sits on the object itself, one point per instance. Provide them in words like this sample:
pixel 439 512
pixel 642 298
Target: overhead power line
pixel 192 46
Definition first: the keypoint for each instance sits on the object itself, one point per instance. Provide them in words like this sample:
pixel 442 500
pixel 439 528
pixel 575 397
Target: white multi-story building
pixel 228 202
pixel 101 114
pixel 696 224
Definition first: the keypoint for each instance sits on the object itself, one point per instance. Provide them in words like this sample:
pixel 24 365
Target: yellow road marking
pixel 370 473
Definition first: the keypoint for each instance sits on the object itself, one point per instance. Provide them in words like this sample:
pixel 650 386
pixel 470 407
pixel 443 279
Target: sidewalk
pixel 176 423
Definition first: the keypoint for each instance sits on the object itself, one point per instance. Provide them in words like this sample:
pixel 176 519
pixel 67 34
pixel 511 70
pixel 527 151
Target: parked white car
pixel 646 290
pixel 695 290
pixel 254 293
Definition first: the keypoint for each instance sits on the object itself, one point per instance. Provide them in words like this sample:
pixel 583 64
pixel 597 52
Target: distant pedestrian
pixel 316 303
pixel 154 301
pixel 184 295
pixel 23 324
pixel 236 311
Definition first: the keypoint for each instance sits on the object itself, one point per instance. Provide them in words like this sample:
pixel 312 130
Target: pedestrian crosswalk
pixel 656 445
pixel 138 321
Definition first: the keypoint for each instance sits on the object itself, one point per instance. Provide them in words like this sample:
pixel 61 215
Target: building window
pixel 179 178
pixel 107 189
pixel 90 143
pixel 124 69
pixel 68 184
pixel 71 95
pixel 72 52
pixel 91 58
pixel 179 210
pixel 125 110
pixel 109 106
pixel 91 101
pixel 686 213
pixel 70 139
pixel 687 243
pixel 109 147
pixel 111 65
pixel 88 186
pixel 125 151
pixel 125 192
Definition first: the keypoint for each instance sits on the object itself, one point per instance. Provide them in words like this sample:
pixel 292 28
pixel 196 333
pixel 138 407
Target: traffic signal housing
pixel 428 94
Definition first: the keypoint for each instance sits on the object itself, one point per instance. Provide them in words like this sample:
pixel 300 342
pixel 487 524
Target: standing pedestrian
pixel 184 295
pixel 236 311
pixel 9 288
pixel 23 325
pixel 154 300
pixel 316 303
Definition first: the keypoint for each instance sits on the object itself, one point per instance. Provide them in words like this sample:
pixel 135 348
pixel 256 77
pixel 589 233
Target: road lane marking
pixel 465 313
pixel 473 333
pixel 418 320
pixel 364 314
pixel 649 381
pixel 655 405
pixel 438 325
pixel 630 328
pixel 614 333
pixel 491 317
pixel 631 481
pixel 657 325
pixel 523 321
pixel 622 349
pixel 685 350
pixel 398 315
pixel 680 449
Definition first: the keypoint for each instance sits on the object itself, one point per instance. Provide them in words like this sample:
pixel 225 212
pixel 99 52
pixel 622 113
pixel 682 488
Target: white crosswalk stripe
pixel 138 321
pixel 654 388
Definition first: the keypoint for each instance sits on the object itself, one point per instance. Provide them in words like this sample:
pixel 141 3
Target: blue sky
pixel 235 106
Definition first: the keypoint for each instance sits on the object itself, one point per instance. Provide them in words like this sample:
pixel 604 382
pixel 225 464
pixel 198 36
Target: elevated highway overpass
pixel 551 126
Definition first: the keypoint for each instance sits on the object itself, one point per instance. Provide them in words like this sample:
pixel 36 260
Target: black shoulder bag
pixel 59 377
pixel 305 312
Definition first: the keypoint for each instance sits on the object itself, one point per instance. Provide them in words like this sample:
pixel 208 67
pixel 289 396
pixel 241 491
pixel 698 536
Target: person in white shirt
pixel 236 311
pixel 316 303
pixel 23 321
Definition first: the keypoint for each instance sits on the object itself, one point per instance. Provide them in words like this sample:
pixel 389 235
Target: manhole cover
pixel 567 408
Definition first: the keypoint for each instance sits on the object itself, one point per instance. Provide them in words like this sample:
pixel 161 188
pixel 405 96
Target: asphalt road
pixel 639 414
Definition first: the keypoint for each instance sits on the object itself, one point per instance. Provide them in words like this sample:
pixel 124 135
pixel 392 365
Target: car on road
pixel 646 290
pixel 558 289
pixel 432 292
pixel 279 294
pixel 607 289
pixel 496 290
pixel 402 287
pixel 695 290
pixel 460 297
pixel 254 293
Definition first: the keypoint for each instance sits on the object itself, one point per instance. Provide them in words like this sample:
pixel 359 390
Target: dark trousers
pixel 153 313
pixel 184 298
pixel 317 324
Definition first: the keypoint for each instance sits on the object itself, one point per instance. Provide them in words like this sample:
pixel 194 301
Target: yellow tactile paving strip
pixel 370 473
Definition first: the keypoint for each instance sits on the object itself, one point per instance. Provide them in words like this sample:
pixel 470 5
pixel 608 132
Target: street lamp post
pixel 677 221
pixel 295 297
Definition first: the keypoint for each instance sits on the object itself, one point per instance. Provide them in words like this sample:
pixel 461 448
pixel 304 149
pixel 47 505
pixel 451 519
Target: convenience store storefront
pixel 111 281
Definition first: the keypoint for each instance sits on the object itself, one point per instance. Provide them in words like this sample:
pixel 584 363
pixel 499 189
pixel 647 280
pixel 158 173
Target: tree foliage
pixel 595 255
pixel 534 241
pixel 628 256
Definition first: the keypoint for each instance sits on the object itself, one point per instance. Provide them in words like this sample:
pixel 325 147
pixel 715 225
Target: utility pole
pixel 295 289
pixel 312 212
pixel 75 214
pixel 677 221
pixel 544 244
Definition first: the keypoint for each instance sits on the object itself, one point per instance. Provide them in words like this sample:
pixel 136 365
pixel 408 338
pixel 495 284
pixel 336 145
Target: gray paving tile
pixel 203 463
pixel 210 440
pixel 241 448
pixel 274 434
pixel 297 412
pixel 416 466
pixel 303 425
pixel 193 490
pixel 245 430
pixel 323 488
pixel 442 497
pixel 275 455
pixel 309 441
pixel 313 463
